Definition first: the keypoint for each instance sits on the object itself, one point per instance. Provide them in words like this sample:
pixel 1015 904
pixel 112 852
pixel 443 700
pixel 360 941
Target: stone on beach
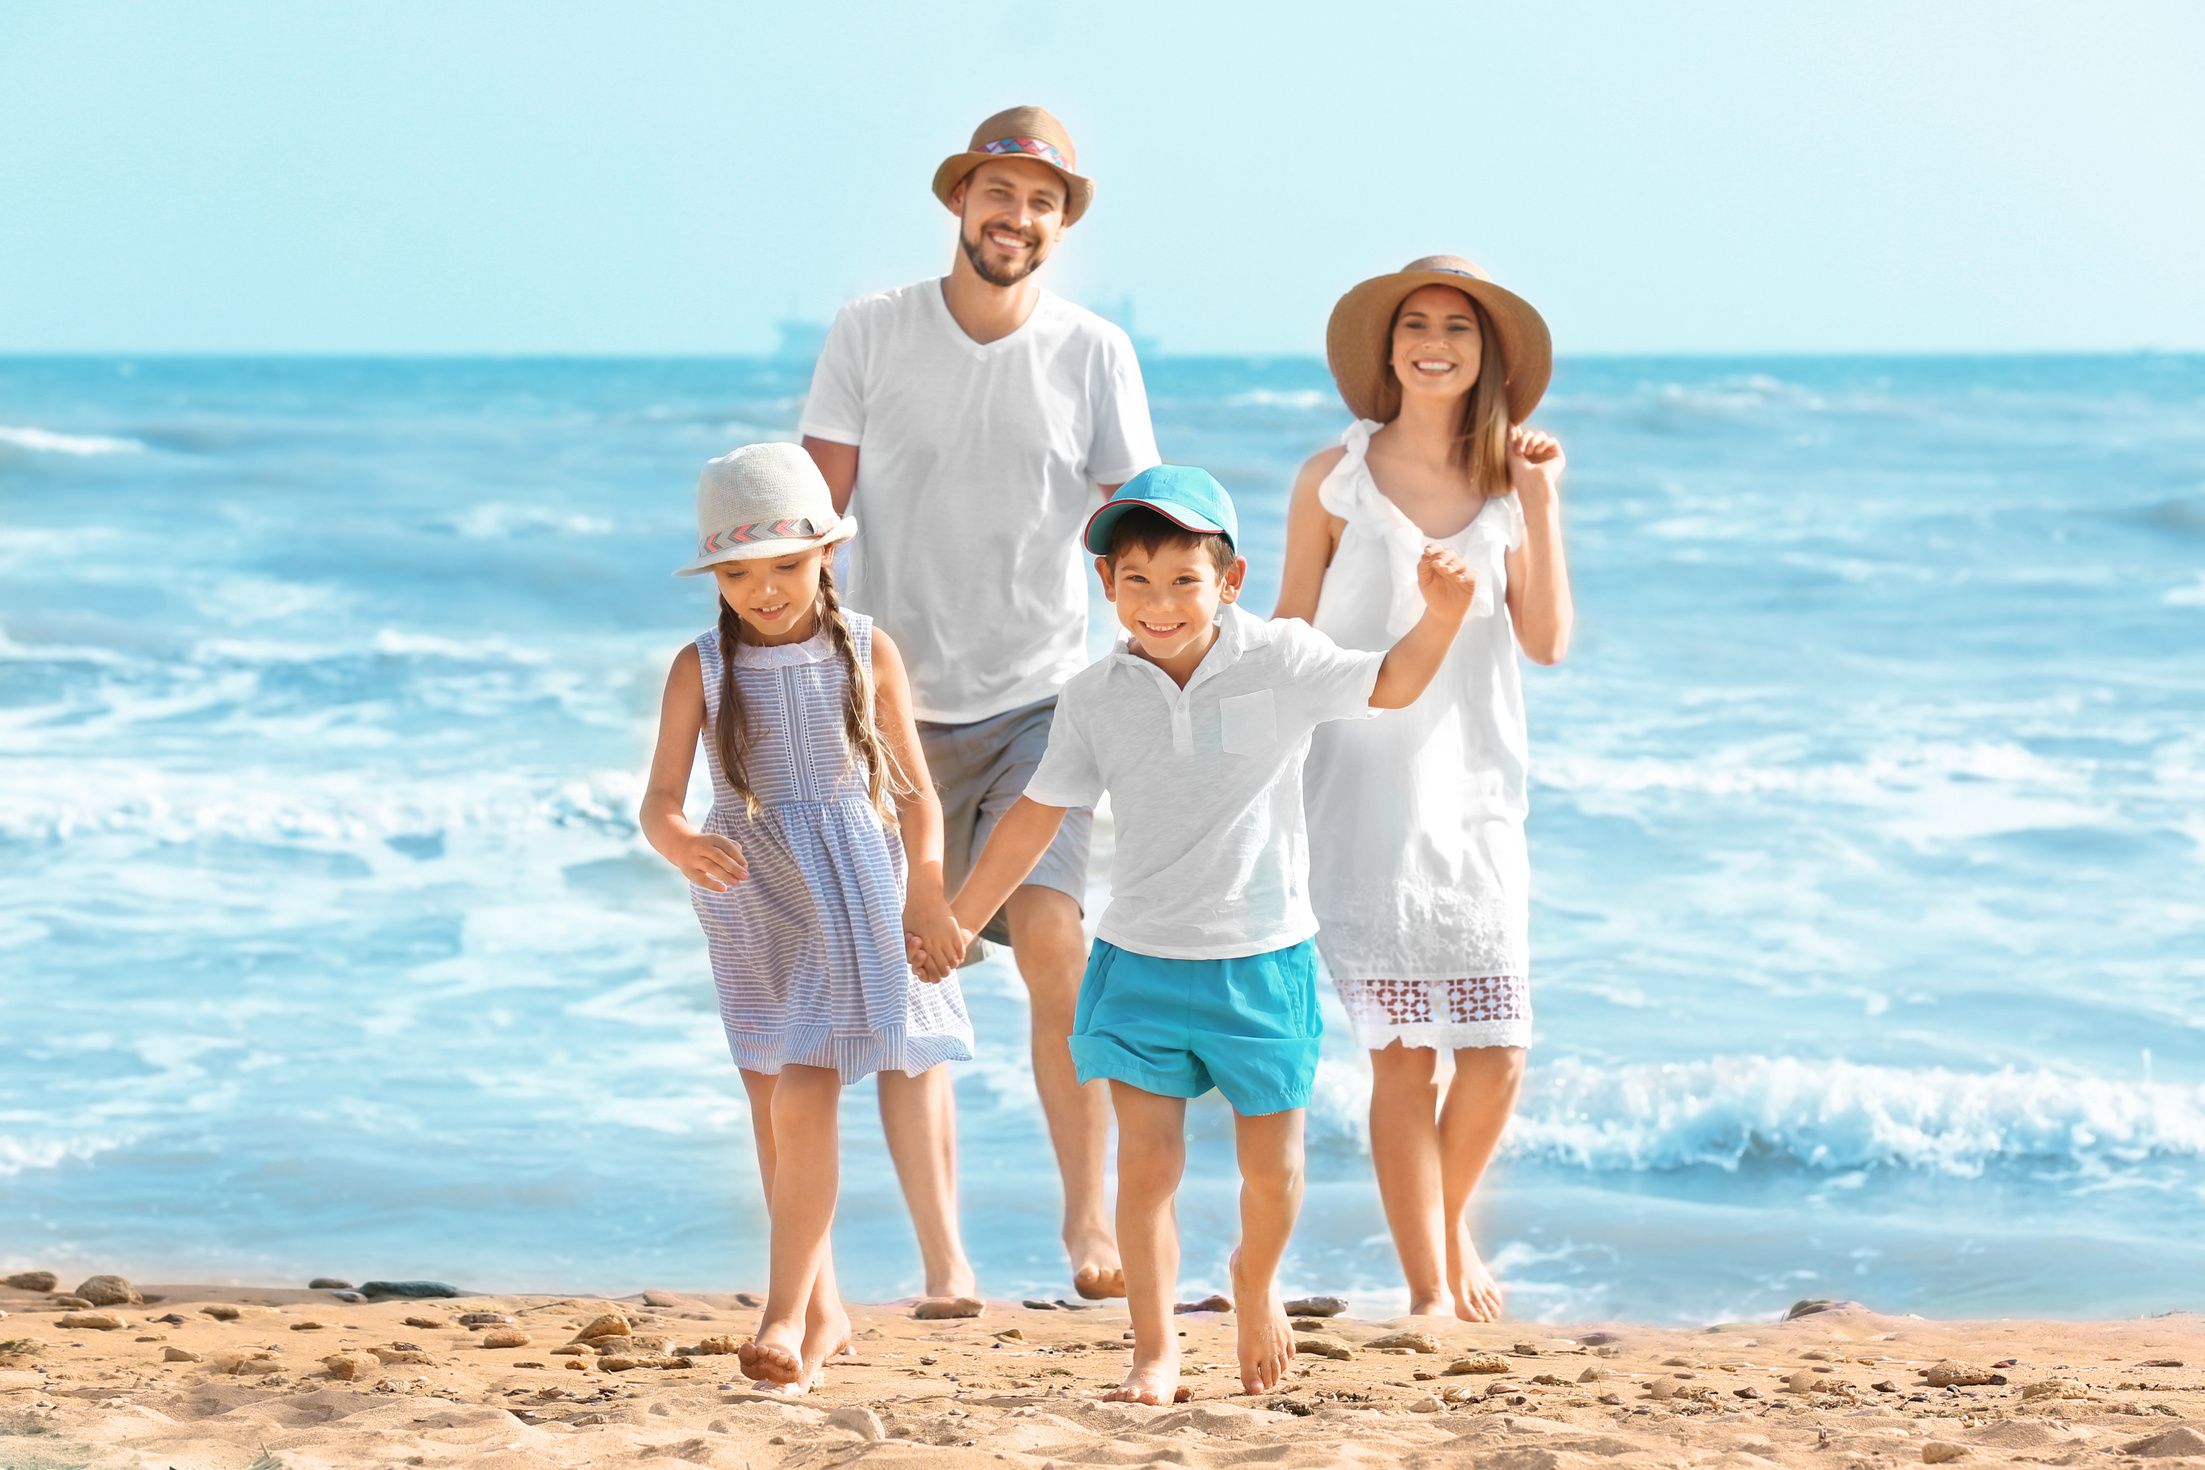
pixel 406 1290
pixel 1479 1363
pixel 1938 1451
pixel 2054 1388
pixel 1415 1342
pixel 506 1337
pixel 715 1347
pixel 178 1355
pixel 1314 1345
pixel 1316 1306
pixel 483 1319
pixel 312 1324
pixel 609 1325
pixel 34 1281
pixel 1951 1372
pixel 427 1322
pixel 95 1321
pixel 352 1365
pixel 859 1420
pixel 110 1291
pixel 328 1283
pixel 395 1355
pixel 944 1308
pixel 1207 1304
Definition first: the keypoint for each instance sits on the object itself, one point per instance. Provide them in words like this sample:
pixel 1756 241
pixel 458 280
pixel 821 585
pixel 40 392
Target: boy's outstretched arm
pixel 1447 586
pixel 1015 845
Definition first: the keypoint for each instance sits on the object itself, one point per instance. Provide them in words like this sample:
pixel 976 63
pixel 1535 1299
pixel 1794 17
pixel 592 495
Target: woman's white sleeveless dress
pixel 1418 871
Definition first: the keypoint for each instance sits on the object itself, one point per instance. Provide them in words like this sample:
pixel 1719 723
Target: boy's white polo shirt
pixel 1205 783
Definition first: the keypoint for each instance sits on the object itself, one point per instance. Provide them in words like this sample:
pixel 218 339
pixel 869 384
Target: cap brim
pixel 1096 538
pixel 760 550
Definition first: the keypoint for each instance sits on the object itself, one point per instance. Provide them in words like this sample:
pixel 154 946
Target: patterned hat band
pixel 1035 146
pixel 796 530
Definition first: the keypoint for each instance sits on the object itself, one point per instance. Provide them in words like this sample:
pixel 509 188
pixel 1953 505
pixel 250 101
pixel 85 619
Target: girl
pixel 1417 865
pixel 803 893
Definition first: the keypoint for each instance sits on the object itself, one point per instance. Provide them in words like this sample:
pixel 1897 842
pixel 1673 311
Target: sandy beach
pixel 200 1376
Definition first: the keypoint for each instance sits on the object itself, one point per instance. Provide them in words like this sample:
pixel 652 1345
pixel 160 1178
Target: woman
pixel 1416 817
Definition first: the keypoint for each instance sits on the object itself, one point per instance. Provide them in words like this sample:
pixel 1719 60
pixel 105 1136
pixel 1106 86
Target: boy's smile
pixel 1167 601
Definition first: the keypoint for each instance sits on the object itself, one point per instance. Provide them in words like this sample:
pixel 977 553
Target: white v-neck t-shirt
pixel 1205 783
pixel 976 470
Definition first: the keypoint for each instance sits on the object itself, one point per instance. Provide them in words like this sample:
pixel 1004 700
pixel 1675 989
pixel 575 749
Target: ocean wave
pixel 1841 1117
pixel 497 519
pixel 1302 400
pixel 19 1154
pixel 2190 596
pixel 1731 773
pixel 45 441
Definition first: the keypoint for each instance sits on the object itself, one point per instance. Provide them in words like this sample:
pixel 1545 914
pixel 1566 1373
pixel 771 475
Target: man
pixel 963 421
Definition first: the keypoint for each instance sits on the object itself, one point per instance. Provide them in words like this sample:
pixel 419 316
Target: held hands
pixel 934 942
pixel 1447 584
pixel 1534 465
pixel 707 860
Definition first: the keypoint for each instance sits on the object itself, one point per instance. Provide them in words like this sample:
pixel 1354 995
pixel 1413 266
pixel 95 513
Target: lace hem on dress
pixel 1484 1010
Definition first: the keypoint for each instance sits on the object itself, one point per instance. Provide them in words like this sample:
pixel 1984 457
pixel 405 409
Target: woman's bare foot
pixel 1434 1305
pixel 1478 1297
pixel 826 1335
pixel 1151 1379
pixel 1097 1273
pixel 770 1359
pixel 958 1282
pixel 1266 1341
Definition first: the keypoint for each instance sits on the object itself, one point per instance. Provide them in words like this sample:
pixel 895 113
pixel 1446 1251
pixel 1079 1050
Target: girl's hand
pixel 1534 465
pixel 931 929
pixel 708 860
pixel 1447 584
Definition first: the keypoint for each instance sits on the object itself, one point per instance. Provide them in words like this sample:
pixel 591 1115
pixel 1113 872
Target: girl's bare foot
pixel 771 1360
pixel 1153 1379
pixel 1478 1297
pixel 1266 1341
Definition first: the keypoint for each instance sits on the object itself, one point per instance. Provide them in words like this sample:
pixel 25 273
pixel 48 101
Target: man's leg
pixel 918 1116
pixel 1270 1148
pixel 1051 950
pixel 1152 1154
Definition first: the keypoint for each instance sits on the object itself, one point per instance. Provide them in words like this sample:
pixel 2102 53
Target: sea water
pixel 1868 840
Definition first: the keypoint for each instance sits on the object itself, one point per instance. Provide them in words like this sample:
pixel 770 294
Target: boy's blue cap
pixel 1187 497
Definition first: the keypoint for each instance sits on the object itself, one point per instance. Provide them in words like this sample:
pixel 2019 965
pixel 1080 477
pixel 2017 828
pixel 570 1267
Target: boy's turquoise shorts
pixel 1248 1026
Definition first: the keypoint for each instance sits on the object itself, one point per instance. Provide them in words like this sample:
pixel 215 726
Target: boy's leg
pixel 1405 1154
pixel 1479 1102
pixel 918 1117
pixel 1152 1153
pixel 1270 1148
pixel 1051 950
pixel 793 1339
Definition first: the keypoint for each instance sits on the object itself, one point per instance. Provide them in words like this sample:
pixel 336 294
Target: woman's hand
pixel 1535 464
pixel 1446 582
pixel 933 941
pixel 707 860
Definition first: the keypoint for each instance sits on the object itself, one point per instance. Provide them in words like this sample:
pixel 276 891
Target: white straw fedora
pixel 763 500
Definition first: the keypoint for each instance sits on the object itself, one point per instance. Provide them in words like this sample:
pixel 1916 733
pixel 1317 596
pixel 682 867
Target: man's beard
pixel 989 273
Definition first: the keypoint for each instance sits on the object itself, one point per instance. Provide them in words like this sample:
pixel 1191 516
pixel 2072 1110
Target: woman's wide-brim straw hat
pixel 763 500
pixel 1020 132
pixel 1359 338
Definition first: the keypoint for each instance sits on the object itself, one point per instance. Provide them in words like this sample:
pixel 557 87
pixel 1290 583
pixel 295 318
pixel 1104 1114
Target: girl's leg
pixel 918 1117
pixel 1483 1095
pixel 1405 1153
pixel 1152 1153
pixel 1270 1148
pixel 806 1175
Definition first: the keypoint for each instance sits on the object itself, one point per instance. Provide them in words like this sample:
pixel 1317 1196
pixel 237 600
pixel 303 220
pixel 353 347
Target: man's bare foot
pixel 1151 1380
pixel 958 1282
pixel 1266 1341
pixel 1478 1297
pixel 1097 1274
pixel 770 1359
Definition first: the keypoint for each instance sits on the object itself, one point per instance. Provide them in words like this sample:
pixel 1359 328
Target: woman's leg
pixel 1405 1153
pixel 803 1177
pixel 1152 1154
pixel 1483 1095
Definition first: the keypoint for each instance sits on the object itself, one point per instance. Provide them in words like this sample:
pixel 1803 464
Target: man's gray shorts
pixel 982 768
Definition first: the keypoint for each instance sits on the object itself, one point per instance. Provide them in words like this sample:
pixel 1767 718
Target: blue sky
pixel 245 175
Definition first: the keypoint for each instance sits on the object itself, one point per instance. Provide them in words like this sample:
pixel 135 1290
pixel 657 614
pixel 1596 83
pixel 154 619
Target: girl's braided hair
pixel 884 781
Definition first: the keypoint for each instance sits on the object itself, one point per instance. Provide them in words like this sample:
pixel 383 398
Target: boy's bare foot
pixel 1151 1380
pixel 1478 1297
pixel 1097 1273
pixel 1266 1341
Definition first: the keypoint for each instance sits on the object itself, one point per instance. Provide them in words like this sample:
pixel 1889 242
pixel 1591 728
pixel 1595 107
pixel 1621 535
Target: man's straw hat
pixel 1359 338
pixel 1020 132
pixel 763 500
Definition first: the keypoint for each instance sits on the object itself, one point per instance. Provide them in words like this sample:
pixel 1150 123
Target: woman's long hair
pixel 1481 435
pixel 731 729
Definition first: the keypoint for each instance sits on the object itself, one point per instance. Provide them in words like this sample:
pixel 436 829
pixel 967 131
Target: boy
pixel 1202 973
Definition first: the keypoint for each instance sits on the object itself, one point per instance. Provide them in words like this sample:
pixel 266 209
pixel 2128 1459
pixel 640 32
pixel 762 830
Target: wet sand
pixel 1843 1389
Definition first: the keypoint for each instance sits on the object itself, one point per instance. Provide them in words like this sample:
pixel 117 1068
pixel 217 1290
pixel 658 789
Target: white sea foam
pixel 45 441
pixel 1303 399
pixel 1839 1116
pixel 496 519
pixel 19 1154
pixel 2190 596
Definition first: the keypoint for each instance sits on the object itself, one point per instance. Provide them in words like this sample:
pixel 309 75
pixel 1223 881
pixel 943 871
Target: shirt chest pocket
pixel 1248 723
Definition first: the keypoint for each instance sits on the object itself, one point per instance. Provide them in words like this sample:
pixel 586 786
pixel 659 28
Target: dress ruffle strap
pixel 1350 493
